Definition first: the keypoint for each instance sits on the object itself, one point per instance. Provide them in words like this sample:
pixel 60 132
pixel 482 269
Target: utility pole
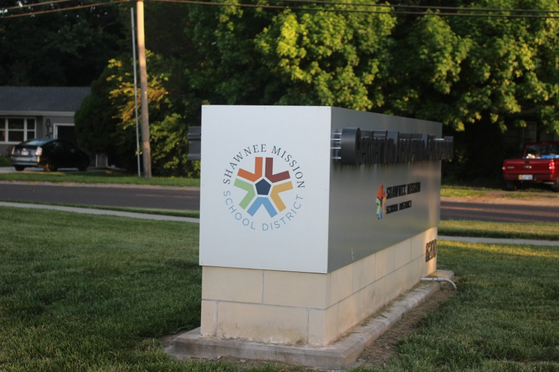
pixel 135 88
pixel 143 89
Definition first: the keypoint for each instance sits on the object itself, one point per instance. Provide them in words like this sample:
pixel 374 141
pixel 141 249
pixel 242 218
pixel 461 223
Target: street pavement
pixel 102 195
pixel 495 206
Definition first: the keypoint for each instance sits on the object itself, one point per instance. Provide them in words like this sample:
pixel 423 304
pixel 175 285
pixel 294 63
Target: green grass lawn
pixel 93 293
pixel 97 293
pixel 538 231
pixel 476 192
pixel 504 317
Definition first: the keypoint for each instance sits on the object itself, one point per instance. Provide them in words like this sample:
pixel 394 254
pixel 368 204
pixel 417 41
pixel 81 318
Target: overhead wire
pixel 264 6
pixel 459 11
pixel 411 6
pixel 422 6
pixel 57 10
pixel 35 4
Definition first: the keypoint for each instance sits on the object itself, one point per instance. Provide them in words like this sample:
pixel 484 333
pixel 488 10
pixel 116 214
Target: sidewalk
pixel 102 212
pixel 500 241
pixel 158 217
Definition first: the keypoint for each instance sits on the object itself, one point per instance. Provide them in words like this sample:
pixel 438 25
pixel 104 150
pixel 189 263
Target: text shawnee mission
pixel 401 190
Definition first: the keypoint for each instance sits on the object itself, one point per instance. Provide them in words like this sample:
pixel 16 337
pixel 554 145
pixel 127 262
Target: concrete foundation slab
pixel 340 354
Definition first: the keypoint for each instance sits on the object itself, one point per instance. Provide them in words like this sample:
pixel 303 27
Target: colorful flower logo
pixel 263 187
pixel 381 200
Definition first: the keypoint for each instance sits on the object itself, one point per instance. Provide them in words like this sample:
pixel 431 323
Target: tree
pixel 259 56
pixel 328 58
pixel 225 67
pixel 480 75
pixel 498 71
pixel 427 66
pixel 95 120
pixel 58 49
pixel 114 130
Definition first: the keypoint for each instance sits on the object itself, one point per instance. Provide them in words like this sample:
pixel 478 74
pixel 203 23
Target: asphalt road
pixel 497 212
pixel 488 209
pixel 115 196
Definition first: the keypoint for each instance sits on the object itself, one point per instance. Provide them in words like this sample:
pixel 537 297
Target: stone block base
pixel 293 308
pixel 340 354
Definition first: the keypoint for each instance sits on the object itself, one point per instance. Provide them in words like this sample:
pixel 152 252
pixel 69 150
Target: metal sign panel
pixel 373 207
pixel 275 193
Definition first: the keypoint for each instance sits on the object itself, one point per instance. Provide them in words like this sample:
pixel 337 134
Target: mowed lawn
pixel 98 293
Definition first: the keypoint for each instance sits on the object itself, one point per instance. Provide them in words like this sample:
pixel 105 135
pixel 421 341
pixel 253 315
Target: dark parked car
pixel 48 153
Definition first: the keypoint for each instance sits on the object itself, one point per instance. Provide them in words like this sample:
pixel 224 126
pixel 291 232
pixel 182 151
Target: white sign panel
pixel 264 189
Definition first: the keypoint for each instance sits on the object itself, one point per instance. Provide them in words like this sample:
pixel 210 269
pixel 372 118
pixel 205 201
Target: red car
pixel 539 164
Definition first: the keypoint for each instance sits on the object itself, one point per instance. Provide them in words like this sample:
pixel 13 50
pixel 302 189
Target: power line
pixel 36 4
pixel 283 7
pixel 58 10
pixel 426 7
pixel 463 12
pixel 405 6
pixel 458 8
pixel 3 11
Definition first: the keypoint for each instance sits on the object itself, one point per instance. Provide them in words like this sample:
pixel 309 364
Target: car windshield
pixel 35 142
pixel 544 151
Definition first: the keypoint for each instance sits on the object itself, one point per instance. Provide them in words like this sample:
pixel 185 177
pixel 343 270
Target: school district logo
pixel 267 187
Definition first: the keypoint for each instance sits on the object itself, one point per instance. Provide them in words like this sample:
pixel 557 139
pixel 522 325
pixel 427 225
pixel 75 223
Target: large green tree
pixel 457 70
pixel 492 70
pixel 261 56
pixel 481 75
pixel 328 58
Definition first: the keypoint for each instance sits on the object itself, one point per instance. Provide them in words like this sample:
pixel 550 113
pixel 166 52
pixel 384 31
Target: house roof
pixel 42 99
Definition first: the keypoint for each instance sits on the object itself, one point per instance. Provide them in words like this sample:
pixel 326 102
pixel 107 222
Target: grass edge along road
pixel 500 230
pixel 479 229
pixel 540 231
pixel 80 292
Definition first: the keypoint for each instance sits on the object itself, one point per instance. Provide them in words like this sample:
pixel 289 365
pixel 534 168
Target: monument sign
pixel 312 218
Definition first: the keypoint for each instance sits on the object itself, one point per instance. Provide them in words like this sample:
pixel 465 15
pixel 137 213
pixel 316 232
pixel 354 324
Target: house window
pixel 17 129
